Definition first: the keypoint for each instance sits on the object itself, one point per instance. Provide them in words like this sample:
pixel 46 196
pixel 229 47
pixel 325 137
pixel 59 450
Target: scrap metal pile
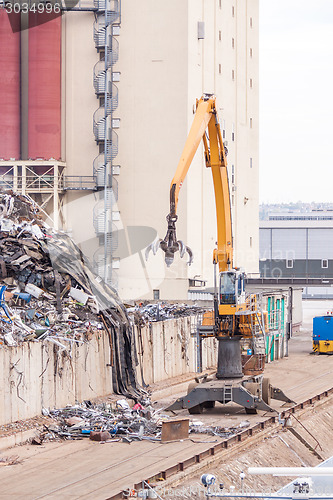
pixel 103 421
pixel 117 421
pixel 164 310
pixel 49 293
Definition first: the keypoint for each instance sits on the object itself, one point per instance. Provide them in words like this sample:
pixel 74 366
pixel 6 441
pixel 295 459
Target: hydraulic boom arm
pixel 215 156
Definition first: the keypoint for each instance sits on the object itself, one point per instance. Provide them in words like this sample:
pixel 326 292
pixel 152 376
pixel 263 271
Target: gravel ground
pixel 280 447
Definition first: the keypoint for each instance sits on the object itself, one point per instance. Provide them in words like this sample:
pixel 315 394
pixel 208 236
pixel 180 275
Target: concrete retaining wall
pixel 168 350
pixel 36 375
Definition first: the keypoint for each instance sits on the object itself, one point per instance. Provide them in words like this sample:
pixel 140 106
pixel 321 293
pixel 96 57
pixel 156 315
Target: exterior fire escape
pixel 45 180
pixel 106 28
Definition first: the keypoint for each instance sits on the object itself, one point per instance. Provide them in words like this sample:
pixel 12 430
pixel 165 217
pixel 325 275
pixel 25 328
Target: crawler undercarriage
pixel 253 393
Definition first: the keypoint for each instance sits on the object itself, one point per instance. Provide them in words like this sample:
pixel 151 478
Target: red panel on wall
pixel 9 86
pixel 44 118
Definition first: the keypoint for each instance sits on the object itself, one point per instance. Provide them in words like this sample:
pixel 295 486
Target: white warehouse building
pixel 299 245
pixel 129 76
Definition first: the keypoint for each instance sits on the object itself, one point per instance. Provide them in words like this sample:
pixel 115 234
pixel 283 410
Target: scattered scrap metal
pixel 224 432
pixel 12 460
pixel 118 421
pixel 104 421
pixel 49 293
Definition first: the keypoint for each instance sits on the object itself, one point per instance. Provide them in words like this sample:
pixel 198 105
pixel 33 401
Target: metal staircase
pixel 258 334
pixel 105 29
pixel 227 393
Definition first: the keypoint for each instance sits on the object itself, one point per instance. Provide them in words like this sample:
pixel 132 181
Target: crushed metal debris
pixel 104 422
pixel 118 421
pixel 49 293
pixel 12 460
pixel 224 432
pixel 163 311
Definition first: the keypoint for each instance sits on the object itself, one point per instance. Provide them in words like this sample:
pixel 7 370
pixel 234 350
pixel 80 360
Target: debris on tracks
pixel 12 460
pixel 218 431
pixel 117 421
pixel 105 422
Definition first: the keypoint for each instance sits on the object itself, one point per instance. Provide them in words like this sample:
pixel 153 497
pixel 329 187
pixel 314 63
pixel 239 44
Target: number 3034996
pixel 40 8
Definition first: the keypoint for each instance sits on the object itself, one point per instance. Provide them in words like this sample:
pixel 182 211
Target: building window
pixel 251 83
pixel 251 162
pixel 251 22
pixel 250 122
pixel 116 76
pixel 233 200
pixel 233 74
pixel 116 30
pixel 220 35
pixel 116 263
pixel 115 169
pixel 233 132
pixel 233 174
pixel 223 126
pixel 156 294
pixel 220 4
pixel 233 11
pixel 250 241
pixel 251 53
pixel 289 263
pixel 220 68
pixel 201 30
pixel 233 43
pixel 324 264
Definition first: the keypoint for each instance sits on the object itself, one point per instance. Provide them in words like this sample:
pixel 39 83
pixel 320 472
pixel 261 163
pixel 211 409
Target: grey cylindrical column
pixel 229 361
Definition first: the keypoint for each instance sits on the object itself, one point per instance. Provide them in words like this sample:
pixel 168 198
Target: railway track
pixel 93 471
pixel 215 450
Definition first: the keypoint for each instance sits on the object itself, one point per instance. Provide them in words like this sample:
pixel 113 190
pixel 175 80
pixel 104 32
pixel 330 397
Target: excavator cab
pixel 232 288
pixel 230 301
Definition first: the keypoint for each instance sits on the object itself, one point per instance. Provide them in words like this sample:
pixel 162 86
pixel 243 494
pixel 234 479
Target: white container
pixel 33 290
pixel 79 295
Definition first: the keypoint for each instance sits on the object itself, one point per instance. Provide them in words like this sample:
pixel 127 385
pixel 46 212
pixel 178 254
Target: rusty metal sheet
pixel 174 430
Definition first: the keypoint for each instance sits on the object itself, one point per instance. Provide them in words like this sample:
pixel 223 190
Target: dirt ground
pixel 279 447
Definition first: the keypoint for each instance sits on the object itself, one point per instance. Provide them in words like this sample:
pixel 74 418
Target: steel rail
pixel 228 442
pixel 210 452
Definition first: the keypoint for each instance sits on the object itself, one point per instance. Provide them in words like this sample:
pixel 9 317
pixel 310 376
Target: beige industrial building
pixel 124 121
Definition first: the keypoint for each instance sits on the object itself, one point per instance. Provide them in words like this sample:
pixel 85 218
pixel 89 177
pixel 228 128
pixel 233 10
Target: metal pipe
pixel 144 483
pixel 267 496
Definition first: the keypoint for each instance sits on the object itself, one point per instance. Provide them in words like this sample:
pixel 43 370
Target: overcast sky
pixel 296 100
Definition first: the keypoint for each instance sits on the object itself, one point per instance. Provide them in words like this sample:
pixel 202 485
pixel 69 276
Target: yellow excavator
pixel 234 315
pixel 231 280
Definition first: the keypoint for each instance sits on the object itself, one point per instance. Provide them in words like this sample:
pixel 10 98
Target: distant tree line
pixel 265 209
